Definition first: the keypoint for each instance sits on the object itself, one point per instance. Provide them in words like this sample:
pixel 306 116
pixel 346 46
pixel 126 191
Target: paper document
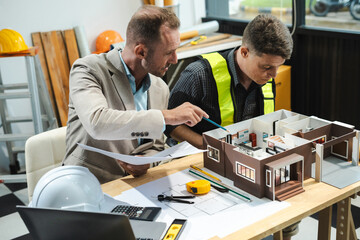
pixel 212 214
pixel 179 150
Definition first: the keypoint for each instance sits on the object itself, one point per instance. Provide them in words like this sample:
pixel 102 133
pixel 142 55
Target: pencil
pixel 211 121
pixel 206 173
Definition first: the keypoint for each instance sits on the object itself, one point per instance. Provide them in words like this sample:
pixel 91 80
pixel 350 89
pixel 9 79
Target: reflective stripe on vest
pixel 269 100
pixel 223 84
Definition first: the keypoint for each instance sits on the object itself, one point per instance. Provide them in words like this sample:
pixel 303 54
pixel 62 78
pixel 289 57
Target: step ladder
pixel 43 117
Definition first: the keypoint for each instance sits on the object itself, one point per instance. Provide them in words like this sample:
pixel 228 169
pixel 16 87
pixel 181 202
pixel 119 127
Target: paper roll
pixel 204 28
pixel 159 3
pixel 81 40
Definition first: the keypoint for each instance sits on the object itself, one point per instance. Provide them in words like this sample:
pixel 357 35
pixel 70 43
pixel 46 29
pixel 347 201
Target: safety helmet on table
pixel 105 39
pixel 11 41
pixel 69 187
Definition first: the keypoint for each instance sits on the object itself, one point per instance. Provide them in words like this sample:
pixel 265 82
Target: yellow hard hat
pixel 11 41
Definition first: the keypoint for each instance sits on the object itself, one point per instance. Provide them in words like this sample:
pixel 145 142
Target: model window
pixel 282 175
pixel 268 178
pixel 246 172
pixel 243 170
pixel 320 140
pixel 213 153
pixel 340 149
pixel 265 135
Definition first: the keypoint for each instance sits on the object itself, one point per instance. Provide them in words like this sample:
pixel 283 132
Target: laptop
pixel 47 223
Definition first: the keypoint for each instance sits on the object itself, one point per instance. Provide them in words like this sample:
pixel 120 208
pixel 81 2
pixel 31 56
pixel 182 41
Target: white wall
pixel 96 16
pixel 191 12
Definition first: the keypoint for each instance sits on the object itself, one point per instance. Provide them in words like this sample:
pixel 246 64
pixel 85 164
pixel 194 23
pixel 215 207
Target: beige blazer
pixel 102 114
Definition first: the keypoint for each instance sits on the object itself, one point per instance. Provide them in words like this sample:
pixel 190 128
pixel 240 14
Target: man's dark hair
pixel 144 26
pixel 266 34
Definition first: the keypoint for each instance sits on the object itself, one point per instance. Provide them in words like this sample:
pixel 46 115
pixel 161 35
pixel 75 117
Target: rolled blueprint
pixel 201 29
pixel 81 40
pixel 159 3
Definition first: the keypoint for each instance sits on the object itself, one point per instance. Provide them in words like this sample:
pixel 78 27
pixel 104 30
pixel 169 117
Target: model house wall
pixel 270 155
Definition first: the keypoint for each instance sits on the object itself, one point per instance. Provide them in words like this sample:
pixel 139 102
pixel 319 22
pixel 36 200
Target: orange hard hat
pixel 105 39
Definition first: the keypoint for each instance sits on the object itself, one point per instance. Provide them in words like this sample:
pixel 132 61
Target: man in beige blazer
pixel 118 102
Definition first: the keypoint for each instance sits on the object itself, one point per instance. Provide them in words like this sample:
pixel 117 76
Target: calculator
pixel 137 213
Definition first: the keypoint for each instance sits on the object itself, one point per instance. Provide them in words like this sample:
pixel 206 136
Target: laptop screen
pixel 44 223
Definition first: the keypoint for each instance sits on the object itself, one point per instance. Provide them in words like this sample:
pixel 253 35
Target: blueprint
pixel 212 214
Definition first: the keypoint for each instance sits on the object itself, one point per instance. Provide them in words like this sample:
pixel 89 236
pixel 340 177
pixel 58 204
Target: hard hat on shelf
pixel 69 187
pixel 11 41
pixel 105 39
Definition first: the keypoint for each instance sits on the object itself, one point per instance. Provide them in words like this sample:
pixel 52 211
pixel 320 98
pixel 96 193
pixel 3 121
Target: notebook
pixel 46 223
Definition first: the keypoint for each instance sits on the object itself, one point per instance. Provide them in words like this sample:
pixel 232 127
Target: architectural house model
pixel 271 155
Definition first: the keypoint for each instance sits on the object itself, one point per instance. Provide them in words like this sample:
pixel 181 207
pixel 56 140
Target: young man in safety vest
pixel 234 85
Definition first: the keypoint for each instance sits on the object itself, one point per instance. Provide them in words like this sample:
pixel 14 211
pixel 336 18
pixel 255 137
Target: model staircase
pixel 288 190
pixel 42 116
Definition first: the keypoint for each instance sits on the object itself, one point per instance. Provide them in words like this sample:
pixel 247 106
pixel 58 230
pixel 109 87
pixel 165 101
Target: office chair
pixel 43 152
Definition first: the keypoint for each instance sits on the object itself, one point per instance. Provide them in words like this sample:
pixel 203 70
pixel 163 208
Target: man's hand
pixel 135 170
pixel 186 113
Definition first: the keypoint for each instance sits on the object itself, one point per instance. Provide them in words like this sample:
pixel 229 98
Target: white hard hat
pixel 69 187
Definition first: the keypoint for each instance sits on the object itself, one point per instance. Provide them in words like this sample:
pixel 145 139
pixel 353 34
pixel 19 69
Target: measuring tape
pixel 198 187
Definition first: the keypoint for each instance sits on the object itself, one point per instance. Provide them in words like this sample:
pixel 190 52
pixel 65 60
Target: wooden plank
pixel 36 38
pixel 57 73
pixel 353 234
pixel 324 227
pixel 61 53
pixel 71 46
pixel 278 235
pixel 343 219
pixel 217 39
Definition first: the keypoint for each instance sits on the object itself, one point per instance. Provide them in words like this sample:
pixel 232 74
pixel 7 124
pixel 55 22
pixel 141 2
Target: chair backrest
pixel 43 152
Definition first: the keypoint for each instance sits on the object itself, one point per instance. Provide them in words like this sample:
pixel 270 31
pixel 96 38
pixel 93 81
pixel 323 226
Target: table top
pixel 316 197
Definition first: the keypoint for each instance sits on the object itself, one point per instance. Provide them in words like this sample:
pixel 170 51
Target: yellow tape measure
pixel 198 187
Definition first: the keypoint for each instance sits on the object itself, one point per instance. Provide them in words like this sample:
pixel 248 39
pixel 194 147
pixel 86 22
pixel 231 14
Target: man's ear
pixel 140 51
pixel 244 51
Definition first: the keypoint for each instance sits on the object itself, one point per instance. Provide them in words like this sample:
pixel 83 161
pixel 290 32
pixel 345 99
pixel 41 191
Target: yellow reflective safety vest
pixel 222 78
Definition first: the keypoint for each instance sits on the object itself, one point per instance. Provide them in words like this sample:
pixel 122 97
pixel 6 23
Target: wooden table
pixel 318 197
